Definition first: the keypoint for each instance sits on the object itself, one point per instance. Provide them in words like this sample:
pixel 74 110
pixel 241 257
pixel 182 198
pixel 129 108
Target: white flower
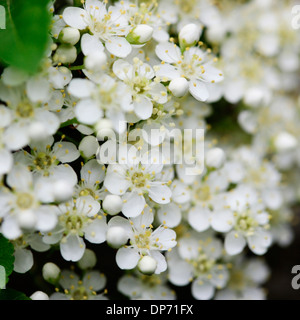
pixel 197 259
pixel 109 26
pixel 22 207
pixel 77 219
pixel 194 64
pixel 144 89
pixel 143 241
pixel 249 221
pixel 75 288
pixel 134 179
pixel 143 287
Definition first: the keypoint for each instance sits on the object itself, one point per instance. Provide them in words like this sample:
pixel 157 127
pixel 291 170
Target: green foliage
pixel 6 256
pixel 25 39
pixel 11 294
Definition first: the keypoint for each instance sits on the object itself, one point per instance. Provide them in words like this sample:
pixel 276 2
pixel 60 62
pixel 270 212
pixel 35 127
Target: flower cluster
pixel 164 132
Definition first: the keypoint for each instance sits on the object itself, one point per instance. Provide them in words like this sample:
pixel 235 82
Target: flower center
pixel 142 240
pixel 186 6
pixel 245 222
pixel 202 264
pixel 25 110
pixel 80 293
pixel 43 160
pixel 203 193
pixel 24 201
pixel 138 179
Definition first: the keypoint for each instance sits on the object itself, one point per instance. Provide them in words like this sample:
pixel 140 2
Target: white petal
pixel 169 214
pixel 23 260
pixel 93 172
pixel 46 218
pixel 10 228
pixel 65 172
pixel 90 44
pixel 161 261
pixel 16 136
pixel 38 89
pixel 212 74
pixel 198 218
pixel 12 76
pixel 95 232
pixel 133 204
pixel 118 46
pixel 202 291
pixel 160 193
pixel 123 69
pixel 81 88
pixel 5 116
pixel 66 151
pixel 94 279
pixel 180 273
pixel 143 107
pixel 88 112
pixel 166 72
pixel 198 90
pixel 115 180
pixel 234 243
pixel 168 52
pixel 72 248
pixel 222 221
pixel 166 238
pixel 20 178
pixel 75 17
pixel 6 161
pixel 127 258
pixel 158 92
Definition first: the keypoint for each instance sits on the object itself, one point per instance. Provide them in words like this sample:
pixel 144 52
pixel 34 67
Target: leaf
pixel 6 256
pixel 24 41
pixel 11 294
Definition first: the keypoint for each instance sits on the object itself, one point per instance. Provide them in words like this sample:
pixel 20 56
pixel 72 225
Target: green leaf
pixel 24 41
pixel 11 294
pixel 6 256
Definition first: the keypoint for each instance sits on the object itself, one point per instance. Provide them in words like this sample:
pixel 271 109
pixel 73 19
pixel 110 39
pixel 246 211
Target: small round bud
pixel 51 272
pixel 39 295
pixel 88 260
pixel 27 219
pixel 215 158
pixel 285 141
pixel 69 35
pixel 116 237
pixel 88 146
pixel 65 54
pixel 104 128
pixel 141 34
pixel 147 265
pixel 95 60
pixel 112 204
pixel 62 190
pixel 189 35
pixel 179 87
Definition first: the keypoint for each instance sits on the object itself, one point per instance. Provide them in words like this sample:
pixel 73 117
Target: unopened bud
pixel 116 237
pixel 140 34
pixel 215 158
pixel 88 146
pixel 65 54
pixel 179 87
pixel 147 265
pixel 189 35
pixel 39 295
pixel 69 35
pixel 88 260
pixel 112 204
pixel 51 272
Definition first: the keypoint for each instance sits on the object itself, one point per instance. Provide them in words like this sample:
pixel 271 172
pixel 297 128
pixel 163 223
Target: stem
pixel 76 67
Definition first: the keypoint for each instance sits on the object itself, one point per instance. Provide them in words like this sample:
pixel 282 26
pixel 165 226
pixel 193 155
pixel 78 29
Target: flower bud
pixel 179 87
pixel 39 295
pixel 69 35
pixel 112 204
pixel 215 158
pixel 189 35
pixel 88 260
pixel 141 34
pixel 65 54
pixel 285 142
pixel 147 265
pixel 116 237
pixel 95 60
pixel 88 146
pixel 51 272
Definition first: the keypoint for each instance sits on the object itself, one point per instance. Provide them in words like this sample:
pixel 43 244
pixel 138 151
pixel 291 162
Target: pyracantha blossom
pixel 75 288
pixel 77 219
pixel 106 25
pixel 144 240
